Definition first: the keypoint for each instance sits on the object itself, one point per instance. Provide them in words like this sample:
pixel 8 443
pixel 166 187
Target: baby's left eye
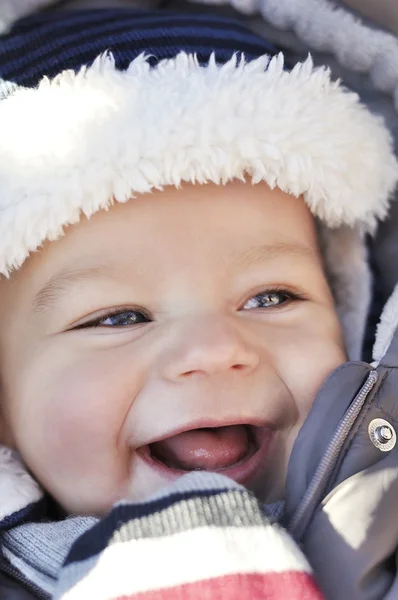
pixel 267 300
pixel 117 319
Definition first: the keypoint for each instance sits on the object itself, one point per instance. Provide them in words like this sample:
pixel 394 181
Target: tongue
pixel 207 449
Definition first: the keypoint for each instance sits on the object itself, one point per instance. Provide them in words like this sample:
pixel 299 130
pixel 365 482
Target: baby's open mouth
pixel 209 448
pixel 234 450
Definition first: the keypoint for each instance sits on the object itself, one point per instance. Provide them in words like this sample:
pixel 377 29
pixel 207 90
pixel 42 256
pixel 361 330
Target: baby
pixel 176 239
pixel 186 329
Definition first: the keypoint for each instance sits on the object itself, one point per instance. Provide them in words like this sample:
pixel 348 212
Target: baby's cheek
pixel 81 414
pixel 307 359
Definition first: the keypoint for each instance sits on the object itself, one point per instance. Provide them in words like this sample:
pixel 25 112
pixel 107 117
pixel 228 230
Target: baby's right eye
pixel 120 318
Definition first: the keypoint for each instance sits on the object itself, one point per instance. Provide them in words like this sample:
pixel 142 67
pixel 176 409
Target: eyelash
pixel 289 295
pixel 119 311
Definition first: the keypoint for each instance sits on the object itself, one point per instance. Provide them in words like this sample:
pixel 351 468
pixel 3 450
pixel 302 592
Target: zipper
pixel 312 497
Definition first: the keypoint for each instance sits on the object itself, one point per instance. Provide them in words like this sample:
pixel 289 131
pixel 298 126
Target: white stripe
pixel 150 564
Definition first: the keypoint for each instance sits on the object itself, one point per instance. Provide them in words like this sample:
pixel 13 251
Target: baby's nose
pixel 208 346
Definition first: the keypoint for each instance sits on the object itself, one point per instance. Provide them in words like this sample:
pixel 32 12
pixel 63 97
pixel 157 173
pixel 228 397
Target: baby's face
pixel 186 329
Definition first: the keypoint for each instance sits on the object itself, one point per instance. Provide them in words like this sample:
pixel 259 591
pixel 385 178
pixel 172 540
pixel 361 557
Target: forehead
pixel 207 222
pixel 236 207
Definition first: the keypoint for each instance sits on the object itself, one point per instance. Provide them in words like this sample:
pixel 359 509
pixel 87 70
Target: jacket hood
pixel 387 328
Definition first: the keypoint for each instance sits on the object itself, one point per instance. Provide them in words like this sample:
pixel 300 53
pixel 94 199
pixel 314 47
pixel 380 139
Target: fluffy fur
pixel 387 327
pixel 17 487
pixel 327 28
pixel 77 143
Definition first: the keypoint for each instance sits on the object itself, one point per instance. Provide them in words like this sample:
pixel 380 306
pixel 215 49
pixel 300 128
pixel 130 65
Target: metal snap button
pixel 382 434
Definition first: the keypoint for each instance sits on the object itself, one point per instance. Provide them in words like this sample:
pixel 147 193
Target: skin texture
pixel 78 402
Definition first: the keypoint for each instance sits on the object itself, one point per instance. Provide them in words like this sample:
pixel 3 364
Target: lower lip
pixel 244 472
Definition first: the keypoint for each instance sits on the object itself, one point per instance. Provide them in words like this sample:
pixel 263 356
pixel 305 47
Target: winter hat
pixel 98 106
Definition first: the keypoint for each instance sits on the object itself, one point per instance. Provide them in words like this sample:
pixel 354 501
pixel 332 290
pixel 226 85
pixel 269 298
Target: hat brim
pixel 76 144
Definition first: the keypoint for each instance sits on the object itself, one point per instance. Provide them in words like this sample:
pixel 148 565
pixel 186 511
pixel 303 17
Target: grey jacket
pixel 12 590
pixel 342 484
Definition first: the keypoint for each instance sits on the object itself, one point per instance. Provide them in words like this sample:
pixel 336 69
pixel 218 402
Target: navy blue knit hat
pixel 49 43
pixel 99 106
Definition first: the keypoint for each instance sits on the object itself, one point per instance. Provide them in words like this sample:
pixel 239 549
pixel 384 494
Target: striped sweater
pixel 203 538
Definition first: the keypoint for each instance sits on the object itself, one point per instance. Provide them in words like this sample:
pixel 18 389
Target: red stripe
pixel 293 585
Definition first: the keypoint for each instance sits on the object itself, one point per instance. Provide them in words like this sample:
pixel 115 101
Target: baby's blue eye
pixel 121 318
pixel 128 318
pixel 267 300
pixel 124 318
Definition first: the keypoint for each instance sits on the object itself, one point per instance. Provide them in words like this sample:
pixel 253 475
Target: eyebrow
pixel 58 285
pixel 267 252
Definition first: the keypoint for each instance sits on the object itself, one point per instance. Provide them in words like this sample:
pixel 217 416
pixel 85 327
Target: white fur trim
pixel 12 10
pixel 349 277
pixel 324 27
pixel 387 327
pixel 17 487
pixel 327 28
pixel 74 144
pixel 247 7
